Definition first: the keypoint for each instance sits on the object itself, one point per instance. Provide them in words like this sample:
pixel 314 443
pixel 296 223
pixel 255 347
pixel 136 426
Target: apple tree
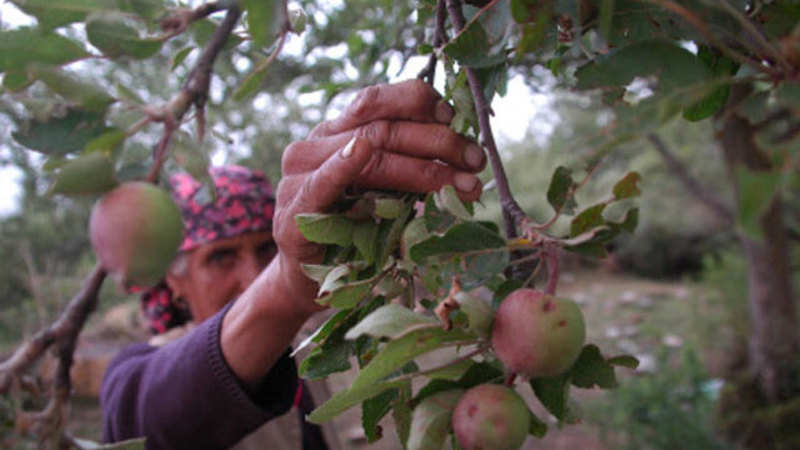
pixel 409 274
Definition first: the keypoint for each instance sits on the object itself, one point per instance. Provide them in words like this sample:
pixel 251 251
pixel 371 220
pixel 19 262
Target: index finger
pixel 412 100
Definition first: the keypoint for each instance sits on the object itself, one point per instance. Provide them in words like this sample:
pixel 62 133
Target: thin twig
pixel 694 186
pixel 551 255
pixel 756 34
pixel 703 29
pixel 512 212
pixel 177 23
pixel 439 37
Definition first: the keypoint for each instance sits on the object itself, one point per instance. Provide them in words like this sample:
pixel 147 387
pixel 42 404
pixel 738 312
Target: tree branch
pixel 177 23
pixel 64 332
pixel 439 37
pixel 194 91
pixel 512 213
pixel 693 185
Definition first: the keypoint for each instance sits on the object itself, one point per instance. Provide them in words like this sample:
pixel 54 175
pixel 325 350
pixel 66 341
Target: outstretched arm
pixel 391 137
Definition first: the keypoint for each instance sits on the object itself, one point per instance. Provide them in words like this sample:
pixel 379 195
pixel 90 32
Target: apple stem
pixel 551 253
pixel 510 380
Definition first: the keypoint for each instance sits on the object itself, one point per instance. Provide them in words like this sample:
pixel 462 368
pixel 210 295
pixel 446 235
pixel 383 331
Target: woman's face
pixel 218 272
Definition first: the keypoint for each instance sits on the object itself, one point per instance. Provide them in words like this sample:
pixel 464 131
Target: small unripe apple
pixel 537 335
pixel 491 416
pixel 135 231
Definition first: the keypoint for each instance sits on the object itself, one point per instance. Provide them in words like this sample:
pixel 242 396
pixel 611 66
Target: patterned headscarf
pixel 243 202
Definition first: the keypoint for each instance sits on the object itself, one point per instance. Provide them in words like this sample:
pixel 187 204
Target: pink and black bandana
pixel 244 202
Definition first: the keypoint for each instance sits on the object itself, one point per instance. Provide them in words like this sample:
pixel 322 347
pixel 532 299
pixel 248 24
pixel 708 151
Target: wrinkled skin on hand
pixel 393 137
pixel 402 142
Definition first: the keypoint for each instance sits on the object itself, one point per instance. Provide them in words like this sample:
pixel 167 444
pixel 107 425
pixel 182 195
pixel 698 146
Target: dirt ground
pixel 617 308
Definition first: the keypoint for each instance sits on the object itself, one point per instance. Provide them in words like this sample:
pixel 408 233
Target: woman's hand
pixel 391 137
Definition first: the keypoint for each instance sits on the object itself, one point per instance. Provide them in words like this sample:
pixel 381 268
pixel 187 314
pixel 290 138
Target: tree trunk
pixel 773 316
pixel 773 343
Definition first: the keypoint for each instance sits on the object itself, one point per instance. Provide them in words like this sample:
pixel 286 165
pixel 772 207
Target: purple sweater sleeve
pixel 184 395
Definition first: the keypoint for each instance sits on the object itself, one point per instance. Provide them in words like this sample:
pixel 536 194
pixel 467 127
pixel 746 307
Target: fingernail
pixel 465 182
pixel 347 151
pixel 444 112
pixel 473 156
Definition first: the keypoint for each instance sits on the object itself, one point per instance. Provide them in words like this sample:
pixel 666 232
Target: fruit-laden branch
pixel 692 185
pixel 194 92
pixel 63 333
pixel 513 215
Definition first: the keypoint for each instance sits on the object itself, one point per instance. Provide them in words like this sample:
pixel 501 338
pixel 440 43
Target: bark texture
pixel 773 343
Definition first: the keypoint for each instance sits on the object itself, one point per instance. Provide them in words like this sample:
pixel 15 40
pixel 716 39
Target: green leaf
pixel 624 361
pixel 325 228
pixel 721 66
pixel 317 272
pixel 203 30
pixel 347 398
pixel 477 373
pixel 472 48
pixel 373 410
pixel 107 143
pixel 436 220
pixel 89 174
pixel 391 321
pixel 22 46
pixel 675 67
pixel 589 218
pixel 325 361
pixel 322 332
pixel 591 369
pixel 452 372
pixel 606 17
pixel 365 239
pixel 180 57
pixel 251 84
pixel 628 223
pixel 627 186
pixel 401 413
pixel 403 350
pixel 447 200
pixel 390 237
pixel 415 232
pixel 52 14
pixel 16 80
pixel 115 37
pixel 60 135
pixel 86 94
pixel 389 208
pixel 756 191
pixel 430 422
pixel 461 238
pixel 553 392
pixel 347 296
pixel 261 20
pixel 561 186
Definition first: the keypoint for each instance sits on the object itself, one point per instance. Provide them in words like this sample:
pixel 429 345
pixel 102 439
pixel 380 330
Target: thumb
pixel 329 181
